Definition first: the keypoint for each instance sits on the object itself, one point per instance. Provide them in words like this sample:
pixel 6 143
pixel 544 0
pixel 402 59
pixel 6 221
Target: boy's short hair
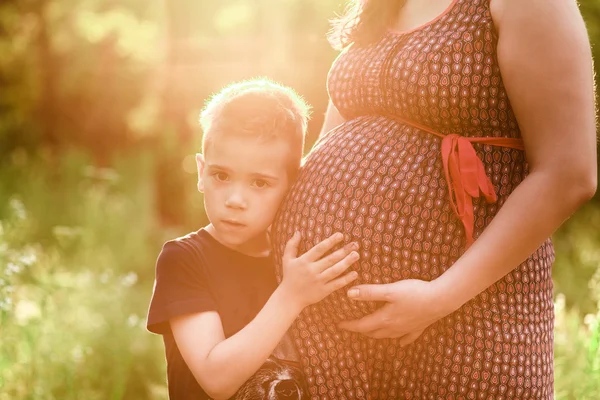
pixel 257 108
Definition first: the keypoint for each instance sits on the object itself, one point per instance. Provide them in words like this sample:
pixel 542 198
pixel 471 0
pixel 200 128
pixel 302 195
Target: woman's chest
pixel 445 76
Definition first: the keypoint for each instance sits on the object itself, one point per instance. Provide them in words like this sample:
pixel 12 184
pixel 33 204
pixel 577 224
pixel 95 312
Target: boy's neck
pixel 258 246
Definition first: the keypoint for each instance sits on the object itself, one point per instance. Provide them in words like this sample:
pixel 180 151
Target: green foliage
pixel 577 246
pixel 577 353
pixel 77 251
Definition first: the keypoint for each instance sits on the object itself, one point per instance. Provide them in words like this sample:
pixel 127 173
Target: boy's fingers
pixel 339 283
pixel 323 247
pixel 291 247
pixel 335 257
pixel 335 270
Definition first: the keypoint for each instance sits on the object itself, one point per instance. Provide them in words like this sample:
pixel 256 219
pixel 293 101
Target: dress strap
pixel 465 173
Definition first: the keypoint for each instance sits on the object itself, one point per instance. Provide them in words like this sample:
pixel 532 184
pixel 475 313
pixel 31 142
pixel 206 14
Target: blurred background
pixel 99 102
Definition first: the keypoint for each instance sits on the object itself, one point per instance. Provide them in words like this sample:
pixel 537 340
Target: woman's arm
pixel 333 118
pixel 545 60
pixel 222 365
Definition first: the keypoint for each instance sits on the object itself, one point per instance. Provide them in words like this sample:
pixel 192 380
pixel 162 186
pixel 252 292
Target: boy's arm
pixel 220 365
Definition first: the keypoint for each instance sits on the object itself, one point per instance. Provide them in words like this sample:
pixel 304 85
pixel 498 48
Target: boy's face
pixel 243 180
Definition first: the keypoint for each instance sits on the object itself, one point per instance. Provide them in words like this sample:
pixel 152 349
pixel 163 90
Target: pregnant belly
pixel 380 183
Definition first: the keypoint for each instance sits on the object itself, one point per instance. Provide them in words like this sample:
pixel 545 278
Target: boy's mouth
pixel 232 223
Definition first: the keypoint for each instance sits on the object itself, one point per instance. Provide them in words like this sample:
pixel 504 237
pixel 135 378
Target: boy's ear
pixel 200 166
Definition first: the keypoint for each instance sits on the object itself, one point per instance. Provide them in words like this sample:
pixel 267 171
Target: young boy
pixel 215 300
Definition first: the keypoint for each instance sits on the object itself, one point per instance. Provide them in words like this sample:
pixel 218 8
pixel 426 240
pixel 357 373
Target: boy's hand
pixel 311 277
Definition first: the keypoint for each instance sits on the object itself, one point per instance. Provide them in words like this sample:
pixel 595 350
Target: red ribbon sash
pixel 465 173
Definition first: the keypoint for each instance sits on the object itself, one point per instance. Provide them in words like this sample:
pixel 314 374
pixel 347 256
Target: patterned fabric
pixel 381 182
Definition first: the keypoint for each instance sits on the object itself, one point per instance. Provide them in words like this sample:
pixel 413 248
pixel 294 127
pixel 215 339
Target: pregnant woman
pixel 459 136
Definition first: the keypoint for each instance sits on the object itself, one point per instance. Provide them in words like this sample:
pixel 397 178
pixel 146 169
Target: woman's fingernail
pixel 354 246
pixel 352 293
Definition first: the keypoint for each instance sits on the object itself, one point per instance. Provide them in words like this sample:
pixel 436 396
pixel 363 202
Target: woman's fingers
pixel 388 333
pixel 366 324
pixel 409 338
pixel 372 292
pixel 379 334
pixel 346 260
pixel 339 283
pixel 319 250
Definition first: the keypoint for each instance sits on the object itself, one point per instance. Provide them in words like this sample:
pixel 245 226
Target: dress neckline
pixel 445 12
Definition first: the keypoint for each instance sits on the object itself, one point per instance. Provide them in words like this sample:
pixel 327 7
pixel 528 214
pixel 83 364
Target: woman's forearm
pixel 535 209
pixel 333 118
pixel 236 359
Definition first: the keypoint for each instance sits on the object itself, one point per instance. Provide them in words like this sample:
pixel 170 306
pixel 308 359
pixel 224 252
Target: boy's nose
pixel 235 200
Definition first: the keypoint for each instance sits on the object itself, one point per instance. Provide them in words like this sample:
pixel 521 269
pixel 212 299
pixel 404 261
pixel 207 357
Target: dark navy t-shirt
pixel 196 273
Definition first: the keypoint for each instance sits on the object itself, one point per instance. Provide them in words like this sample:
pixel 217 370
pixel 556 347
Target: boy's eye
pixel 261 184
pixel 221 176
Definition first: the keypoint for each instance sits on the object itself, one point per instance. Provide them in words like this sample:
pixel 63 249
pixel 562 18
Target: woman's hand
pixel 315 274
pixel 411 306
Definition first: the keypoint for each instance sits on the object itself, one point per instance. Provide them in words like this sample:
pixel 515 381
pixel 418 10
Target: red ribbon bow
pixel 465 173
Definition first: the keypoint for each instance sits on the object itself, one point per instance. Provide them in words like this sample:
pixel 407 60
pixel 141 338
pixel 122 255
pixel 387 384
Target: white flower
pixel 559 303
pixel 133 320
pixel 26 310
pixel 105 277
pixel 77 354
pixel 12 268
pixel 28 259
pixel 5 303
pixel 18 208
pixel 591 321
pixel 129 280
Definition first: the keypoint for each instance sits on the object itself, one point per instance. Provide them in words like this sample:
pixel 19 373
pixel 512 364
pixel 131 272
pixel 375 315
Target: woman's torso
pixel 381 182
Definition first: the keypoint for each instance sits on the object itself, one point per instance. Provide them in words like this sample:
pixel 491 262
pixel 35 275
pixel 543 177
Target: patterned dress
pixel 380 179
